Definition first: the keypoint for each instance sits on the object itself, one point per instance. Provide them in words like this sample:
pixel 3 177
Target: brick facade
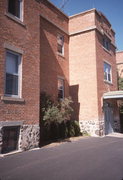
pixel 81 66
pixel 119 61
pixel 86 58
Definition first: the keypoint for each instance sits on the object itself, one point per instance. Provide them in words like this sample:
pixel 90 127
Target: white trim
pixel 113 95
pixel 11 123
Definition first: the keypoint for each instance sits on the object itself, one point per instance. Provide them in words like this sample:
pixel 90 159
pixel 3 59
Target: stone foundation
pixel 29 137
pixel 93 128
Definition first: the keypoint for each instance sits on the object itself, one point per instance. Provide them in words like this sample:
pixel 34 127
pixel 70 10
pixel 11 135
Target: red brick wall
pixel 87 57
pixel 26 36
pixel 52 64
pixel 102 55
pixel 83 78
pixel 119 60
pixel 81 21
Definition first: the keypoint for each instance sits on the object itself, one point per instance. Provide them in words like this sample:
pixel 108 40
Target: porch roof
pixel 113 95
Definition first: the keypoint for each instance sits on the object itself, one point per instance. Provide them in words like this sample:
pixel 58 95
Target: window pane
pixel 60 94
pixel 106 43
pixel 59 48
pixel 60 88
pixel 105 75
pixel 60 42
pixel 12 63
pixel 109 77
pixel 11 84
pixel 14 7
pixel 107 72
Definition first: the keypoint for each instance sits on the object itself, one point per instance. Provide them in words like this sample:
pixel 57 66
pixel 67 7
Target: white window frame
pixel 61 37
pixel 21 10
pixel 107 72
pixel 63 87
pixel 19 75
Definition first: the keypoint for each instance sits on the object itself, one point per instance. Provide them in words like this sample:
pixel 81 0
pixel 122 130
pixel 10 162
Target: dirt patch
pixel 63 141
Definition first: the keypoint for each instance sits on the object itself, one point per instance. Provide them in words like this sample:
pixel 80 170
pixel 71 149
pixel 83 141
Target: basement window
pixel 15 8
pixel 60 88
pixel 107 72
pixel 60 44
pixel 10 138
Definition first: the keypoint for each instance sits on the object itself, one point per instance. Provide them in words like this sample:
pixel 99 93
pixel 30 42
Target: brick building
pixel 119 61
pixel 42 49
pixel 93 71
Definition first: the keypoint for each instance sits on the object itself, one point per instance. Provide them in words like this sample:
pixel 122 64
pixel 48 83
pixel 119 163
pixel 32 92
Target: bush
pixel 71 132
pixel 63 130
pixel 76 128
pixel 56 118
pixel 54 131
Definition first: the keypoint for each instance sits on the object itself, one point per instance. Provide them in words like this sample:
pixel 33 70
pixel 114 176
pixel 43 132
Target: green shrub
pixel 56 118
pixel 63 130
pixel 53 114
pixel 120 83
pixel 70 126
pixel 76 128
pixel 54 131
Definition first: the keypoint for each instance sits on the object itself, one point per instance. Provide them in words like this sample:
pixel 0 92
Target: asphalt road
pixel 86 159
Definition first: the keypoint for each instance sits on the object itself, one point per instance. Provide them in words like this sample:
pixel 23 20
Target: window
pixel 60 44
pixel 60 88
pixel 107 72
pixel 13 63
pixel 15 8
pixel 106 43
pixel 10 138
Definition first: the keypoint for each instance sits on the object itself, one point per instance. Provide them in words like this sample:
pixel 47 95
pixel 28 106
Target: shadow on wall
pixel 51 64
pixel 76 105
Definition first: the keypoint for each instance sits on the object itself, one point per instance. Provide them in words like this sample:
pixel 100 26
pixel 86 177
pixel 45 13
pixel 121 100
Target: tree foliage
pixel 120 83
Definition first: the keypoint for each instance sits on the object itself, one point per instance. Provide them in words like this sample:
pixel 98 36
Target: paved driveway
pixel 85 159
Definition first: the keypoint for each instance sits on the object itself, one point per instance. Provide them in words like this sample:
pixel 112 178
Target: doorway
pixel 108 117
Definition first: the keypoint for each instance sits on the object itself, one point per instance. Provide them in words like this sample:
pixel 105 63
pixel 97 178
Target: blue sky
pixel 112 9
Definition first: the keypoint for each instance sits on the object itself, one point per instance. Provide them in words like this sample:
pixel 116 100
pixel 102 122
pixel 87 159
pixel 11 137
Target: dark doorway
pixel 108 115
pixel 10 138
pixel 121 122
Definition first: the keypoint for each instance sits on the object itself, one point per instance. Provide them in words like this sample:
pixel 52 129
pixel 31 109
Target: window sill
pixel 61 55
pixel 12 99
pixel 106 50
pixel 15 19
pixel 108 82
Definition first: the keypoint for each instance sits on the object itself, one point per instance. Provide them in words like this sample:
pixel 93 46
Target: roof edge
pixel 81 13
pixel 57 9
pixel 119 51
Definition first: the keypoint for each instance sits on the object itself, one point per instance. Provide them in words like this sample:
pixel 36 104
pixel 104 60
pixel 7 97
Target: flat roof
pixel 81 13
